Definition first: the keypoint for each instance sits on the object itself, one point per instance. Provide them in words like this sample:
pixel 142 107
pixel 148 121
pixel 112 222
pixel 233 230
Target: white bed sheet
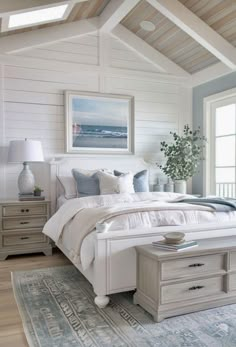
pixel 61 200
pixel 153 219
pixel 87 248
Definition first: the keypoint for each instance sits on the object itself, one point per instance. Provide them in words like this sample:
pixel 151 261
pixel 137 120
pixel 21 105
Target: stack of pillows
pixel 96 182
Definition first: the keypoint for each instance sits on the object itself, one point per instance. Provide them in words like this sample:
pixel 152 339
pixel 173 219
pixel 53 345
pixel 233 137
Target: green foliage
pixel 37 189
pixel 183 154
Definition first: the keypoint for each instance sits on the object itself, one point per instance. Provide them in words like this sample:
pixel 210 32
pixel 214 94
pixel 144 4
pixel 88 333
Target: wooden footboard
pixel 114 266
pixel 115 257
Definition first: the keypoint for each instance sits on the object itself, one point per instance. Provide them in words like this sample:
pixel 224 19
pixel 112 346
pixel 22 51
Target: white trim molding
pixel 40 37
pixel 208 128
pixel 114 12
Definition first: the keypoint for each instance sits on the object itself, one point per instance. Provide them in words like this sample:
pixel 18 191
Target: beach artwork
pixel 99 123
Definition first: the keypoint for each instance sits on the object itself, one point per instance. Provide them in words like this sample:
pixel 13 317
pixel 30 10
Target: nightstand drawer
pixel 20 223
pixel 192 290
pixel 178 268
pixel 23 239
pixel 24 210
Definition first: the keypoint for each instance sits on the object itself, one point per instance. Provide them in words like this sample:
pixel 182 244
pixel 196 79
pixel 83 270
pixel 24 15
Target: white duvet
pixel 73 225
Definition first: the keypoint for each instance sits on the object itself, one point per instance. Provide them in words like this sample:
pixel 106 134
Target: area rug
pixel 57 310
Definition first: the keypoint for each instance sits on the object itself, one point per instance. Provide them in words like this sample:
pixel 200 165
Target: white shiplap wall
pixel 32 84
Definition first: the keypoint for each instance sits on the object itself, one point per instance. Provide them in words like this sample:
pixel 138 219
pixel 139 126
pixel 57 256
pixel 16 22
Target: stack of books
pixel 30 197
pixel 177 247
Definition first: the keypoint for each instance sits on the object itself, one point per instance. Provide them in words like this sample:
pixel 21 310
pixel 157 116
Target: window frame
pixel 210 104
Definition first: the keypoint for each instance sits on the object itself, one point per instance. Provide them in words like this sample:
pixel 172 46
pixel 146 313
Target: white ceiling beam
pixel 161 62
pixel 210 73
pixel 36 38
pixel 8 7
pixel 114 12
pixel 197 29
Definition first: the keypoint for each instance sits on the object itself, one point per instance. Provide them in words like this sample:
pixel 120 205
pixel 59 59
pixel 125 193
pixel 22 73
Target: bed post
pixel 53 185
pixel 100 273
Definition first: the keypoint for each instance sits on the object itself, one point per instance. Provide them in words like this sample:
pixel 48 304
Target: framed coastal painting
pixel 99 123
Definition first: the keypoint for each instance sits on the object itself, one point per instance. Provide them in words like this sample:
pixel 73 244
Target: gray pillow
pixel 141 183
pixel 86 185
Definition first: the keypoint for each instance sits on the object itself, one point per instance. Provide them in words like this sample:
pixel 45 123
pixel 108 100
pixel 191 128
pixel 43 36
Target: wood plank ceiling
pixel 175 43
pixel 220 15
pixel 167 38
pixel 83 10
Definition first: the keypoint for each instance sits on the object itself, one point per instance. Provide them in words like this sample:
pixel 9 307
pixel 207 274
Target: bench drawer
pixel 232 282
pixel 179 268
pixel 26 223
pixel 191 290
pixel 24 210
pixel 232 260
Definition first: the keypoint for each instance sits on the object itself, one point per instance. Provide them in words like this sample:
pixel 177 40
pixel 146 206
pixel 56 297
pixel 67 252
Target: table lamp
pixel 24 151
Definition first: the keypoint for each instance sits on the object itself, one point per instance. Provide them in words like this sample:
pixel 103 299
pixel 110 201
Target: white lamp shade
pixel 25 151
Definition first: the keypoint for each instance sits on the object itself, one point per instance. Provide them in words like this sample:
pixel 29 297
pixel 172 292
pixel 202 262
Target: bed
pixel 113 265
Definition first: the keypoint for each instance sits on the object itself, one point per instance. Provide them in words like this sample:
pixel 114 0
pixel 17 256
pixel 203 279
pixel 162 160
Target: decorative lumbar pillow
pixel 68 185
pixel 86 185
pixel 141 183
pixel 110 184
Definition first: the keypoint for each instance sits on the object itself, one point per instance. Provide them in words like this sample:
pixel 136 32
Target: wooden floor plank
pixel 11 330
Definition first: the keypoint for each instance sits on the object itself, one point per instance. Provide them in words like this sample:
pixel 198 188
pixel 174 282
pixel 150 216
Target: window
pixel 221 149
pixel 35 17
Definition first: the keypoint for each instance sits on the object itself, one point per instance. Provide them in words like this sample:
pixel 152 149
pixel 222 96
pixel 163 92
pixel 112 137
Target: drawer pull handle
pixel 195 287
pixel 22 210
pixel 24 238
pixel 196 265
pixel 24 222
pixel 27 210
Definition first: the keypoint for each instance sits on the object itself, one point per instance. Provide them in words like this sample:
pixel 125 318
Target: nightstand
pixel 21 224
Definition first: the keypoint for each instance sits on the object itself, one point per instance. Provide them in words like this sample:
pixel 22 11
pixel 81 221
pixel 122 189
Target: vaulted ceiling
pixel 186 36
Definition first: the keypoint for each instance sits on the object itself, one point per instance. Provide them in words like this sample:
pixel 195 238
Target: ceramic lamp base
pixel 26 180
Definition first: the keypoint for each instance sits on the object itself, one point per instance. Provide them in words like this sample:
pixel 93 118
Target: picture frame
pixel 99 123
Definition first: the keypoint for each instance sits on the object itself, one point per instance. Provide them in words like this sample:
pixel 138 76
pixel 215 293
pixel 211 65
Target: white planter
pixel 180 186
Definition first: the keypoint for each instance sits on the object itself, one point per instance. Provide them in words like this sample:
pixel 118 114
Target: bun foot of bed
pixel 101 301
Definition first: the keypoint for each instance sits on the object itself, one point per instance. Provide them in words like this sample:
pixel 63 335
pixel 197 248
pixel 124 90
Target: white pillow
pixel 69 186
pixel 110 184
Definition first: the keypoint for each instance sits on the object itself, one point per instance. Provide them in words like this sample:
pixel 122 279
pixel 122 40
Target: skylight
pixel 37 17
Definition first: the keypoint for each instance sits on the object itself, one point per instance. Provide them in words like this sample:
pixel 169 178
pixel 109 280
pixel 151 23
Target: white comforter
pixel 74 223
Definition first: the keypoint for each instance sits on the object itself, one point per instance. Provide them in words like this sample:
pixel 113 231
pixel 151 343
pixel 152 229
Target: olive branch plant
pixel 183 154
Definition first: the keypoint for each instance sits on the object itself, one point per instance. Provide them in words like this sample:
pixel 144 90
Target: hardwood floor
pixel 11 330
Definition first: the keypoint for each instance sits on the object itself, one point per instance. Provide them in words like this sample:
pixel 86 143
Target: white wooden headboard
pixel 63 167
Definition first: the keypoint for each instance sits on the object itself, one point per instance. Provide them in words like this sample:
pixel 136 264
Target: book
pixel 31 198
pixel 174 247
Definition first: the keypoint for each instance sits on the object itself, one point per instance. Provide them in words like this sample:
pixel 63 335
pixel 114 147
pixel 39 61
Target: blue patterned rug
pixel 57 310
